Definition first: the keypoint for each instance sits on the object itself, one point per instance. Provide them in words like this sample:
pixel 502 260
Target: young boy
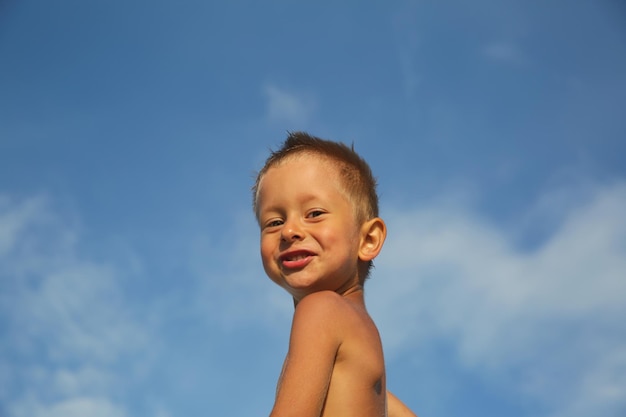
pixel 316 204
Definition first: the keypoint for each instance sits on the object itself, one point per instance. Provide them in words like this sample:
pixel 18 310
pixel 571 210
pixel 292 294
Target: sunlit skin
pixel 309 233
pixel 313 246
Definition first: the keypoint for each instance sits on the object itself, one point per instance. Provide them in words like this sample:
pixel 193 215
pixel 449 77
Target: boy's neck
pixel 351 290
pixel 354 294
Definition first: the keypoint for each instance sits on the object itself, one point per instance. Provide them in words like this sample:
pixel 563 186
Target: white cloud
pixel 11 221
pixel 552 314
pixel 72 344
pixel 75 407
pixel 288 107
pixel 66 324
pixel 89 378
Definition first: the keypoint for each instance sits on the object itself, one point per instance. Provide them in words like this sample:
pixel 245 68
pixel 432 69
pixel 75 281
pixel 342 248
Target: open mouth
pixel 296 259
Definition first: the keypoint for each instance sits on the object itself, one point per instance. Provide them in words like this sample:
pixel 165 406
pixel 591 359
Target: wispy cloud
pixel 551 315
pixel 285 106
pixel 74 407
pixel 505 52
pixel 407 44
pixel 243 292
pixel 72 341
pixel 67 327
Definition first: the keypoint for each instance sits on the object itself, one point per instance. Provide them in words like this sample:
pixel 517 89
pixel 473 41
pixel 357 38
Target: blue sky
pixel 130 131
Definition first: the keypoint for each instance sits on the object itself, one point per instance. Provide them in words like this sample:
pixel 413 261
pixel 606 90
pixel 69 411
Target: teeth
pixel 296 258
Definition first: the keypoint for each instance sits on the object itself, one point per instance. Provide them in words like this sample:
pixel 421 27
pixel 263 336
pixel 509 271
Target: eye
pixel 315 213
pixel 273 223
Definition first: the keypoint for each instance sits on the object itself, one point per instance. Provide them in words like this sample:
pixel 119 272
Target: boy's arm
pixel 313 344
pixel 395 407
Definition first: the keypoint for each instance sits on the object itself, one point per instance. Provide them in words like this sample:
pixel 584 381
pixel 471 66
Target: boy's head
pixel 355 174
pixel 346 169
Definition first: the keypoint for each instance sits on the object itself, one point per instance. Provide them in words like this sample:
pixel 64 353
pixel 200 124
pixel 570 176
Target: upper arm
pixel 313 345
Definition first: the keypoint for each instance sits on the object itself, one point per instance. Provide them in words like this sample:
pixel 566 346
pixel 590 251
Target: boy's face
pixel 309 233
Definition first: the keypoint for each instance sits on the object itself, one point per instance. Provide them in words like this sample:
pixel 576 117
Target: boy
pixel 316 204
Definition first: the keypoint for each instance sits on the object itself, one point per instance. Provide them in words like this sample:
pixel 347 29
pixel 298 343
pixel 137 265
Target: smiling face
pixel 309 233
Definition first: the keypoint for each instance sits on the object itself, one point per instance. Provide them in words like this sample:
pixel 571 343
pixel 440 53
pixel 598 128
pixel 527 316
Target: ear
pixel 373 234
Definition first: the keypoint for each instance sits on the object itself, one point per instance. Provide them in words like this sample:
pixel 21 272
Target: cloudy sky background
pixel 130 131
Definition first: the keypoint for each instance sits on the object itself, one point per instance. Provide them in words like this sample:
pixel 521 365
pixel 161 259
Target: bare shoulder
pixel 325 308
pixel 320 302
pixel 327 313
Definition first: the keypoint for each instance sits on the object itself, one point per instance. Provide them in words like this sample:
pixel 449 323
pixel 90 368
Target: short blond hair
pixel 356 175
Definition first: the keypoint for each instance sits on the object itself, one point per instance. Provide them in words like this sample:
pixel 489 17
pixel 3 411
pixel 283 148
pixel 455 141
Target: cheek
pixel 268 265
pixel 340 239
pixel 267 252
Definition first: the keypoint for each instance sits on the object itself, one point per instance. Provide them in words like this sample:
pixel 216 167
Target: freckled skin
pixel 313 247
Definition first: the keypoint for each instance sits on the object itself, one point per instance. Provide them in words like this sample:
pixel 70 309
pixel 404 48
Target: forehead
pixel 306 173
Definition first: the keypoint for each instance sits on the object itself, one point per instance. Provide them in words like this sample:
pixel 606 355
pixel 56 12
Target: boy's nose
pixel 291 232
